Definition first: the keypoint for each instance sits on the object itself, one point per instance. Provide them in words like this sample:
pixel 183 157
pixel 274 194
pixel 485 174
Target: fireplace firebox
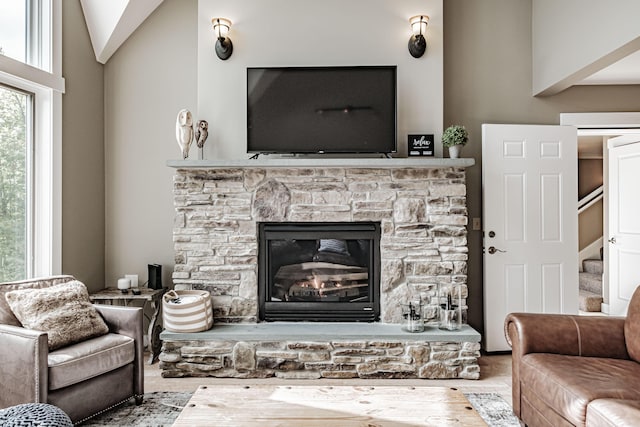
pixel 319 271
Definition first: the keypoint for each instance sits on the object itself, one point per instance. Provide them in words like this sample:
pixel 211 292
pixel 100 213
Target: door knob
pixel 492 250
pixel 612 240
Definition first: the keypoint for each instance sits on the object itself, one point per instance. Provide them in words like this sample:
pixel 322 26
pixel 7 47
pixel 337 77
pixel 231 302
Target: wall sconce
pixel 417 42
pixel 224 47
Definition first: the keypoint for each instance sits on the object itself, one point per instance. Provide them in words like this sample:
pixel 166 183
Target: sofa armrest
pixel 23 371
pixel 590 336
pixel 128 321
pixel 561 334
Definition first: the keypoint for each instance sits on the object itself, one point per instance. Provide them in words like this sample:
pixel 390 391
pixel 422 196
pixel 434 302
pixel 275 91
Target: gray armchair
pixel 82 379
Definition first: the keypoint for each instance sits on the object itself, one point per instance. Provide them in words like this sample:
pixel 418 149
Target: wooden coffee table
pixel 344 406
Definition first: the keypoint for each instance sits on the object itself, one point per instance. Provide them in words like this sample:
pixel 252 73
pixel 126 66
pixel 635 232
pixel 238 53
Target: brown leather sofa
pixel 82 379
pixel 576 370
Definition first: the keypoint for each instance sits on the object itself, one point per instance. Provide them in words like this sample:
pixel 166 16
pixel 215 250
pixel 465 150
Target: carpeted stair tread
pixel 590 282
pixel 588 301
pixel 594 266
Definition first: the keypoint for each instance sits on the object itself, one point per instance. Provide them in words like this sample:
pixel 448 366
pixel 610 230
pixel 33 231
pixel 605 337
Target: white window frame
pixel 47 88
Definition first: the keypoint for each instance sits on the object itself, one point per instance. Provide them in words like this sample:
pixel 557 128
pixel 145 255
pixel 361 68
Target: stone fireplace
pixel 419 209
pixel 422 214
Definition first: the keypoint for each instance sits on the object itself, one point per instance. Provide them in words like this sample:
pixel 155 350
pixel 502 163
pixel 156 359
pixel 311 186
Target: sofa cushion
pixel 569 383
pixel 6 315
pixel 64 311
pixel 91 358
pixel 632 326
pixel 613 413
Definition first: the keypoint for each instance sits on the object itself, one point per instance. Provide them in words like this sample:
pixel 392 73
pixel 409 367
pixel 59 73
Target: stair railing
pixel 590 199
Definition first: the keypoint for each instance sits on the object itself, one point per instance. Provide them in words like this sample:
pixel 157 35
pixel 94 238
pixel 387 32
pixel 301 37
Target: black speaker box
pixel 155 276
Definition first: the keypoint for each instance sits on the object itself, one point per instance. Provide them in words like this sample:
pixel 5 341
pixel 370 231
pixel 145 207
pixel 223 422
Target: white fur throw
pixel 63 311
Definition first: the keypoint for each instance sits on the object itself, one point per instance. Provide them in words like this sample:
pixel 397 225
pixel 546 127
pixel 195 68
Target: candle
pixel 124 283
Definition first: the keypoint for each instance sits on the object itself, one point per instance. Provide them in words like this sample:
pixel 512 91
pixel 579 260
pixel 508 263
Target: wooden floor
pixel 323 405
pixel 495 377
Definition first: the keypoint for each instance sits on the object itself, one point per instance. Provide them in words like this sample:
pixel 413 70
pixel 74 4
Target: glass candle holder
pixel 412 316
pixel 450 308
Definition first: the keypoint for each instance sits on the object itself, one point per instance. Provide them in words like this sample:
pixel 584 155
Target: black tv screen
pixel 321 110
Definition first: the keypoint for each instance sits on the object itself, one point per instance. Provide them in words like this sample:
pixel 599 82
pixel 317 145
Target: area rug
pixel 161 409
pixel 493 409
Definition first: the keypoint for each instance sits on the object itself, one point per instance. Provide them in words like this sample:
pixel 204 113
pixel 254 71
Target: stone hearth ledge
pixel 322 331
pixel 314 350
pixel 315 162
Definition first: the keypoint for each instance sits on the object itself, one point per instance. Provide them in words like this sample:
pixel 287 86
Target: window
pixel 25 32
pixel 15 185
pixel 31 87
pixel 14 32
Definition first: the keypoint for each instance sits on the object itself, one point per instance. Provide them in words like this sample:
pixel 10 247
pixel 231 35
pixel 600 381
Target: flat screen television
pixel 321 110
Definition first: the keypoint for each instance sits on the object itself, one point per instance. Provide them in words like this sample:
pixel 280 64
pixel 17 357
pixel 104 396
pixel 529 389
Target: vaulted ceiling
pixel 624 71
pixel 111 22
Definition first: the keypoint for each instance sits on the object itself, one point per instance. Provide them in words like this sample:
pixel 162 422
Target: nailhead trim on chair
pixel 37 369
pixel 107 409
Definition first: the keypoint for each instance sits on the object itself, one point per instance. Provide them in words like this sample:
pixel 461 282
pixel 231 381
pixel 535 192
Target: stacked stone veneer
pixel 321 359
pixel 423 217
pixel 422 212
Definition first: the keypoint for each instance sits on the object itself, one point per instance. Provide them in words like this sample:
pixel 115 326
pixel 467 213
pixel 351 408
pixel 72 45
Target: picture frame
pixel 420 145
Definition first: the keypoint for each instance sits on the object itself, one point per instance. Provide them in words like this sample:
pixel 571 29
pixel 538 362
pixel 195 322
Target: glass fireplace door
pixel 319 271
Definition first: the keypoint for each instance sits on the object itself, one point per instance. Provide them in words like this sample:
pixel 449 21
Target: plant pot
pixel 454 151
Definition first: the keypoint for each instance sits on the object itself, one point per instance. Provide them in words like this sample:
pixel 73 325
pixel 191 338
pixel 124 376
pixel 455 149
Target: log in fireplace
pixel 319 271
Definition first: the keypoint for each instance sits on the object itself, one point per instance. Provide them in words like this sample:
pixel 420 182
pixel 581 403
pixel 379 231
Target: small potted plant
pixel 453 137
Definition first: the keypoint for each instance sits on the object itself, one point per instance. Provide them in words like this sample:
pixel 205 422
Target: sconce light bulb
pixel 221 27
pixel 419 24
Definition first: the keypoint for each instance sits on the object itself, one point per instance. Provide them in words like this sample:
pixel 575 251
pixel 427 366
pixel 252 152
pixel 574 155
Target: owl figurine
pixel 184 131
pixel 202 132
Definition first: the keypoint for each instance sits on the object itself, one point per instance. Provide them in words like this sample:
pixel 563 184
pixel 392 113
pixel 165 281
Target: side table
pixel 147 296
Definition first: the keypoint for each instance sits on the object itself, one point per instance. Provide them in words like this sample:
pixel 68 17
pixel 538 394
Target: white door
pixel 530 199
pixel 624 221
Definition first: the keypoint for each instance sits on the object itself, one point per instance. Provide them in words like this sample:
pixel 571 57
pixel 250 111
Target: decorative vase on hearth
pixel 454 151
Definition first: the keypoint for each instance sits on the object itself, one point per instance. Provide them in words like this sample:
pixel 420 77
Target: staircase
pixel 590 289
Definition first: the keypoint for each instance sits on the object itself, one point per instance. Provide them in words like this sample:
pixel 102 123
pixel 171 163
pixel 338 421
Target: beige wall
pixel 147 81
pixel 589 176
pixel 82 153
pixel 590 225
pixel 487 69
pixel 487 79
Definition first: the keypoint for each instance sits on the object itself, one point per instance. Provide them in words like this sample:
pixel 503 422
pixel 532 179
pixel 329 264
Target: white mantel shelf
pixel 380 163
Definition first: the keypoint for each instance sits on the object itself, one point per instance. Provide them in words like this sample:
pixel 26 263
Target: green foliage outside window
pixel 13 184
